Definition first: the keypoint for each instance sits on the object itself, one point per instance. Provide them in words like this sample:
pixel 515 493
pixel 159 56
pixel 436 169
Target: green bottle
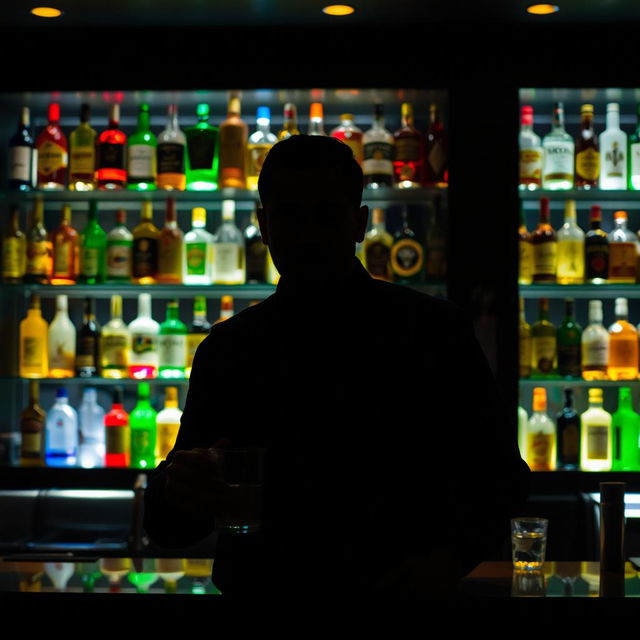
pixel 569 344
pixel 93 249
pixel 172 344
pixel 625 428
pixel 142 581
pixel 142 422
pixel 633 158
pixel 141 155
pixel 202 153
pixel 544 344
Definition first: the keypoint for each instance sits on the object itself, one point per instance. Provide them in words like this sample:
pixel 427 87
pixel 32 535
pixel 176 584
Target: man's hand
pixel 194 482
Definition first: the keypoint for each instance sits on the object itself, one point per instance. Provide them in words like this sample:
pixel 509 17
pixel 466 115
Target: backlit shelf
pixel 575 382
pixel 592 291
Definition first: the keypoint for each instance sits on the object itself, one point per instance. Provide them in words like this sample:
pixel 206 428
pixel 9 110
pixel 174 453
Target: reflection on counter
pixel 111 575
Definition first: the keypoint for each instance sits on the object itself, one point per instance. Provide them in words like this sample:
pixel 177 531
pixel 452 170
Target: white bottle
pixel 62 342
pixel 530 168
pixel 228 261
pixel 613 151
pixel 198 250
pixel 61 448
pixel 595 446
pixel 523 421
pixel 144 330
pixel 541 435
pixel 59 573
pixel 595 345
pixel 92 431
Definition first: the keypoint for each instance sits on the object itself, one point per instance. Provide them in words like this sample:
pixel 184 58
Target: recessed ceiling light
pixel 46 12
pixel 338 10
pixel 543 9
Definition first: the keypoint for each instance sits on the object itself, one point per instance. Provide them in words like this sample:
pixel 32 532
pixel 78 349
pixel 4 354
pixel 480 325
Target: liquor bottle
pixel 623 345
pixel 202 153
pixel 407 254
pixel 111 173
pixel 170 570
pixel 199 330
pixel 259 144
pixel 569 337
pixel 142 421
pixel 625 426
pixel 623 251
pixel 377 148
pixel 22 156
pixel 37 270
pixel 587 152
pixel 88 356
pixel 119 250
pixel 14 250
pixel 316 120
pixel 115 343
pixel 351 135
pixel 290 124
pixel 544 345
pixel 523 421
pixel 255 251
pixel 198 250
pixel 436 241
pixel 62 342
pixel 596 248
pixel 541 435
pixel 233 148
pixel 436 157
pixel 558 149
pixel 170 154
pixel 409 150
pixel 226 308
pixel 52 149
pixel 82 154
pixel 595 445
pixel 143 359
pixel 117 432
pixel 633 156
pixel 595 345
pixel 32 429
pixel 170 248
pixel 570 248
pixel 377 248
pixel 568 435
pixel 525 272
pixel 168 424
pixel 93 249
pixel 92 431
pixel 65 247
pixel 141 154
pixel 228 249
pixel 613 148
pixel 545 247
pixel 526 344
pixel 145 247
pixel 61 442
pixel 172 344
pixel 34 351
pixel 530 167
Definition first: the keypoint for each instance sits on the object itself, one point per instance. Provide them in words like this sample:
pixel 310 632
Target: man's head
pixel 311 217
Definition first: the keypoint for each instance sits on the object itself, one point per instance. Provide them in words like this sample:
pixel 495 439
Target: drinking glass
pixel 528 542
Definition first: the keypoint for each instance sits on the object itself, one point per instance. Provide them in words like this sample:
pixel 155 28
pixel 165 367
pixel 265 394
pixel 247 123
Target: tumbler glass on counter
pixel 528 542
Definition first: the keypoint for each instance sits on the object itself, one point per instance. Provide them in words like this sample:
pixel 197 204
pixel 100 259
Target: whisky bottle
pixel 199 330
pixel 229 256
pixel 32 429
pixel 144 330
pixel 65 243
pixel 625 427
pixel 115 343
pixel 255 251
pixel 351 135
pixel 170 248
pixel 595 445
pixel 587 152
pixel 145 248
pixel 525 272
pixel 118 434
pixel 569 337
pixel 260 142
pixel 377 143
pixel 82 154
pixel 595 345
pixel 52 153
pixel 22 156
pixel 544 347
pixel 568 435
pixel 14 250
pixel 141 154
pixel 88 358
pixel 409 150
pixel 559 149
pixel 526 345
pixel 119 250
pixel 226 308
pixel 290 124
pixel 198 243
pixel 596 248
pixel 202 159
pixel 62 342
pixel 233 148
pixel 407 254
pixel 168 424
pixel 541 435
pixel 172 344
pixel 613 149
pixel 61 442
pixel 93 249
pixel 623 251
pixel 316 120
pixel 34 354
pixel 112 173
pixel 545 247
pixel 436 160
pixel 623 345
pixel 171 154
pixel 377 248
pixel 530 168
pixel 38 266
pixel 570 248
pixel 142 421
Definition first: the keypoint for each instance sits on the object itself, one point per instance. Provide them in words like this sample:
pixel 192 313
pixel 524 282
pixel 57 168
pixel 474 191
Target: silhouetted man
pixel 391 466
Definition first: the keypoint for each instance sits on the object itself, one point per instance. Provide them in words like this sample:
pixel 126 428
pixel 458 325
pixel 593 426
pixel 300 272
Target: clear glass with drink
pixel 528 542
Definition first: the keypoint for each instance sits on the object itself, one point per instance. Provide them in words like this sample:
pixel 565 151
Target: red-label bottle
pixel 53 153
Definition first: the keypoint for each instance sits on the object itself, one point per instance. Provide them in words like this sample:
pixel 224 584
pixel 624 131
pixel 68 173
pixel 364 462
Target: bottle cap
pixel 227 303
pixel 595 214
pixel 526 114
pixel 202 110
pixel 121 216
pixel 587 108
pixel 315 110
pixel 622 307
pixel 54 112
pixel 62 393
pixel 613 106
pixel 264 113
pixel 539 399
pixel 346 116
pixel 234 106
pixel 228 209
pixel 199 214
pixel 595 395
pixel 620 215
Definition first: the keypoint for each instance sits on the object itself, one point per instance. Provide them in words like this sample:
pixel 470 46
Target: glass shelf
pixel 97 382
pixel 595 196
pixel 528 383
pixel 595 291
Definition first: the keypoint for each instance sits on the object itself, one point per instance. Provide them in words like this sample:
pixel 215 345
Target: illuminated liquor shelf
pixel 529 383
pixel 98 382
pixel 594 291
pixel 594 196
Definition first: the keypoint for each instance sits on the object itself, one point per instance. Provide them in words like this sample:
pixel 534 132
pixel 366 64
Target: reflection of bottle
pixel 199 569
pixel 170 570
pixel 568 423
pixel 34 356
pixel 623 345
pixel 595 345
pixel 59 573
pixel 524 331
pixel 32 429
pixel 595 447
pixel 625 424
pixel 145 247
pixel 543 343
pixel 115 569
pixel 116 422
pixel 143 581
pixel 61 447
pixel 143 358
pixel 570 247
pixel 30 576
pixel 89 574
pixel 143 430
pixel 62 342
pixel 92 433
pixel 115 345
pixel 541 435
pixel 168 421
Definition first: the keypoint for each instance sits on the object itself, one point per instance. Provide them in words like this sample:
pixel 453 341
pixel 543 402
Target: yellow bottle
pixel 526 344
pixel 167 424
pixel 525 272
pixel 570 267
pixel 541 435
pixel 595 445
pixel 145 247
pixel 34 355
pixel 623 345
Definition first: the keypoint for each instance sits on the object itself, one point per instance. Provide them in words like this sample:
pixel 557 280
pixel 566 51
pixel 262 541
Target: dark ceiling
pixel 308 12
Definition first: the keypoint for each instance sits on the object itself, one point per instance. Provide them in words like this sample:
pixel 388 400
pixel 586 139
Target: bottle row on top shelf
pixel 205 157
pixel 586 160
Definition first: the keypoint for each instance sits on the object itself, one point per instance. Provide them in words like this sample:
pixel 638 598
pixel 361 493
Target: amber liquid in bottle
pixel 545 247
pixel 587 152
pixel 65 242
pixel 233 148
pixel 32 429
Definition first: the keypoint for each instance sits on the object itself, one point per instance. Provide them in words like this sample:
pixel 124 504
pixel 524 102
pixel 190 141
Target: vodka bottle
pixel 92 433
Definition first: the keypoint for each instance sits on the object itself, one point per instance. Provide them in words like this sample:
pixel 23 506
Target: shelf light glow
pixel 543 9
pixel 338 10
pixel 46 12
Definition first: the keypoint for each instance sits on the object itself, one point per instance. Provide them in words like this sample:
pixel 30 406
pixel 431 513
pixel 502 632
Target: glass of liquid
pixel 528 543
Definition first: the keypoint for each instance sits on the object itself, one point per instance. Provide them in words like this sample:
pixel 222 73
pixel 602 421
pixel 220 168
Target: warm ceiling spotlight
pixel 338 10
pixel 543 9
pixel 46 12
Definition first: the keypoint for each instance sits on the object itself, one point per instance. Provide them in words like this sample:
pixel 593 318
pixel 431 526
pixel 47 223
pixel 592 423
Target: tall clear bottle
pixel 595 447
pixel 229 257
pixel 613 150
pixel 198 250
pixel 541 435
pixel 259 144
pixel 570 239
pixel 623 251
pixel 82 156
pixel 116 343
pixel 233 148
pixel 595 345
pixel 62 342
pixel 623 345
pixel 144 330
pixel 92 434
pixel 202 158
pixel 530 168
pixel 559 151
pixel 141 154
pixel 170 154
pixel 61 447
pixel 378 148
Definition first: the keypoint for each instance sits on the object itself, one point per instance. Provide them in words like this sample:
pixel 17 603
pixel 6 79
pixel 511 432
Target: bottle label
pixel 33 349
pixel 142 161
pixel 634 151
pixel 61 255
pixel 544 353
pixel 408 149
pixel 597 442
pixel 115 350
pixel 570 259
pixel 201 146
pixel 142 445
pixel 145 257
pixel 614 161
pixel 624 353
pixel 588 164
pixel 596 353
pixel 378 159
pixel 166 434
pixel 144 343
pixel 558 161
pixel 597 257
pixel 378 259
pixel 437 158
pixel 117 439
pixel 539 451
pixel 119 260
pixel 62 434
pixel 193 342
pixel 569 357
pixel 170 158
pixel 545 258
pixel 172 351
pixel 623 258
pixel 526 260
pixel 196 258
pixel 20 161
pixel 62 355
pixel 83 161
pixel 110 156
pixel 228 258
pixel 31 446
pixel 232 148
pixel 51 158
pixel 89 262
pixel 531 165
pixel 170 258
pixel 13 258
pixel 87 351
pixel 407 257
pixel 257 154
pixel 571 444
pixel 37 258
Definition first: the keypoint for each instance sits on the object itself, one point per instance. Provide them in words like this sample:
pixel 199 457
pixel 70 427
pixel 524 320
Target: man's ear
pixel 262 223
pixel 362 221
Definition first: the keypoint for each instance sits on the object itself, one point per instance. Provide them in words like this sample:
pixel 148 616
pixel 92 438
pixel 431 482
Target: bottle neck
pixel 613 120
pixel 587 123
pixel 595 224
pixel 624 400
pixel 143 121
pixel 144 308
pixel 172 313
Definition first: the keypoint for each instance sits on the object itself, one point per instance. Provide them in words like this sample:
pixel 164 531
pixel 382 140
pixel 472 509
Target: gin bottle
pixel 559 150
pixel 613 148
